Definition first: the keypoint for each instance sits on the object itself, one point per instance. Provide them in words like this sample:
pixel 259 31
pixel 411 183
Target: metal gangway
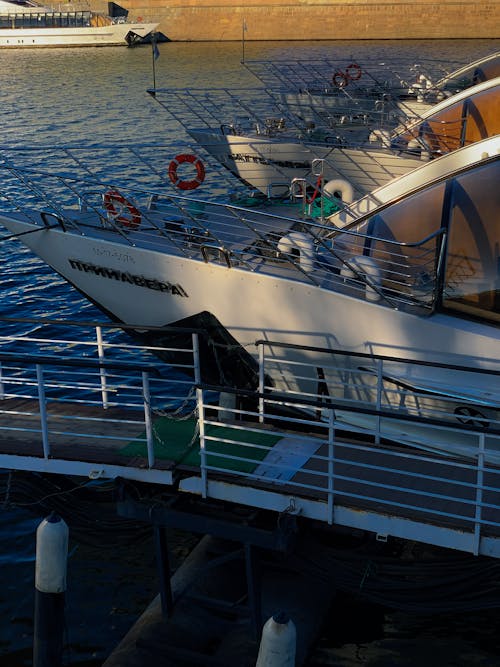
pixel 362 441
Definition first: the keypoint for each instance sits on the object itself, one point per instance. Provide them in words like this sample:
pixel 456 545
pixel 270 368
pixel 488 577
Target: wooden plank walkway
pixel 76 433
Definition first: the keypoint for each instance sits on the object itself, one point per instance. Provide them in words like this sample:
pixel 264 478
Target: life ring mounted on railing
pixel 339 79
pixel 353 72
pixel 120 210
pixel 182 159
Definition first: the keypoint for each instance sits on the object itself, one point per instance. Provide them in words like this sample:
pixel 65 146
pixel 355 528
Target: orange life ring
pixel 353 72
pixel 340 79
pixel 181 159
pixel 121 210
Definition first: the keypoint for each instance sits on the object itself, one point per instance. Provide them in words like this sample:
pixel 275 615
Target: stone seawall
pixel 204 20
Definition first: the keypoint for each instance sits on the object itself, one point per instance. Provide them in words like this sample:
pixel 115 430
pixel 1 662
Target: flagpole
pixel 243 31
pixel 154 56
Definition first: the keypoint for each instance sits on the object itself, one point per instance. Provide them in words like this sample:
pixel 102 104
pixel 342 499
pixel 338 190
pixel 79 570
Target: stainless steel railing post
pixel 201 416
pixel 331 461
pixel 147 419
pixel 479 495
pixel 43 411
pixel 102 372
pixel 261 383
pixel 380 380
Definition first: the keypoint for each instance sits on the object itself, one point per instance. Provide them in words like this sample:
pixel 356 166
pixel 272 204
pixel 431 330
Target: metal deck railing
pixel 275 112
pixel 391 76
pixel 256 238
pixel 141 166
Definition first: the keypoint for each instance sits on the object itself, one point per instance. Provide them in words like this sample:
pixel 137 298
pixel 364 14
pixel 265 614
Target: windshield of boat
pixel 439 246
pixel 478 72
pixel 466 121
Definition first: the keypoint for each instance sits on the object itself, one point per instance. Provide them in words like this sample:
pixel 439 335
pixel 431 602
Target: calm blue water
pixel 95 97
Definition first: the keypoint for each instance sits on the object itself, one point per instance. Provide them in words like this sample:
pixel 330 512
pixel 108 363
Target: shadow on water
pixel 360 633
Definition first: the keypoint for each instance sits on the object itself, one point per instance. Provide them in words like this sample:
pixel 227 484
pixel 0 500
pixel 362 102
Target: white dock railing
pixel 347 439
pixel 360 433
pixel 83 393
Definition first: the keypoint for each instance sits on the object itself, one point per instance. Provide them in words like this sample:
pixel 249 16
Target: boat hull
pixel 264 163
pixel 144 287
pixel 109 35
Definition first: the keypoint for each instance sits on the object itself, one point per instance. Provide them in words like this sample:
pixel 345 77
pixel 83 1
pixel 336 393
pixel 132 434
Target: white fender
pixel 278 644
pixel 51 555
pixel 425 81
pixel 339 185
pixel 369 268
pixel 301 242
pixel 382 136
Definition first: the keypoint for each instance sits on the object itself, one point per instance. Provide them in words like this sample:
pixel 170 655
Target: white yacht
pixel 25 24
pixel 316 89
pixel 268 155
pixel 410 271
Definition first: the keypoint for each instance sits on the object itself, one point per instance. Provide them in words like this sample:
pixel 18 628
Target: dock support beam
pixel 253 587
pixel 163 561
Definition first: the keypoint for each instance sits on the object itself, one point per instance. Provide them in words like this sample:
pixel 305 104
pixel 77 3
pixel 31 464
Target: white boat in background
pixel 26 24
pixel 317 89
pixel 410 271
pixel 268 155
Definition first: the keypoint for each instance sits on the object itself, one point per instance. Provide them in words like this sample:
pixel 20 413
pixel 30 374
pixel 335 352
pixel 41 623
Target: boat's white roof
pixel 465 94
pixel 13 8
pixel 469 68
pixel 418 178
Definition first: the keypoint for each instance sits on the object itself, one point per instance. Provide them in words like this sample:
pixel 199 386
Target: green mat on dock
pixel 173 440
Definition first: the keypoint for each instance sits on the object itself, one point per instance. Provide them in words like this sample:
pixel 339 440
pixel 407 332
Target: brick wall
pixel 206 20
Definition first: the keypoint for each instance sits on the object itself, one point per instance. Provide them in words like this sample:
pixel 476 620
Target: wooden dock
pixel 267 479
pixel 362 465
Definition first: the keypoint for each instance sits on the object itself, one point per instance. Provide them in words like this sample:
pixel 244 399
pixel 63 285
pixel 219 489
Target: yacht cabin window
pixel 456 220
pixel 472 275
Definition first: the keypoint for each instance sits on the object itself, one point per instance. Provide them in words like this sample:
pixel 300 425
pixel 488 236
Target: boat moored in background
pixel 356 152
pixel 315 88
pixel 27 24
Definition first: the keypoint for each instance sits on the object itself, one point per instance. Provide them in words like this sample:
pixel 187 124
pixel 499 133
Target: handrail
pixel 368 355
pixel 78 363
pixel 104 325
pixel 400 244
pixel 329 403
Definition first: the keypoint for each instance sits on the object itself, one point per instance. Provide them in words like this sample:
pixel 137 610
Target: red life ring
pixel 340 79
pixel 316 192
pixel 181 159
pixel 121 210
pixel 353 72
